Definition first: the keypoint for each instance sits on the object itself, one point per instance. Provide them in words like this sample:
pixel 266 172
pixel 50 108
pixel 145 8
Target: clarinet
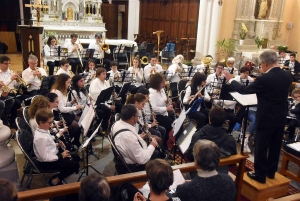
pixel 66 134
pixel 74 97
pixel 152 115
pixel 170 103
pixel 62 146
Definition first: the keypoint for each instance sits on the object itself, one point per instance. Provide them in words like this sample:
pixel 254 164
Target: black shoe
pixel 271 176
pixel 253 176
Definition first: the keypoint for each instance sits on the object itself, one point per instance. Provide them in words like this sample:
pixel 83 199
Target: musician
pixel 90 72
pixel 51 54
pixel 151 68
pixel 244 77
pixel 271 89
pixel 33 75
pixel 47 153
pixel 64 65
pixel 131 146
pixel 230 66
pixel 74 49
pixel 294 113
pixel 99 53
pixel 137 74
pixel 283 57
pixel 66 109
pixel 293 65
pixel 214 81
pixel 159 101
pixel 114 75
pixel 204 68
pixel 197 83
pixel 79 93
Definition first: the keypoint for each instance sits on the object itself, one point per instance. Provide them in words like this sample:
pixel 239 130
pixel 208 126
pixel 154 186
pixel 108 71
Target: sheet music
pixel 295 146
pixel 245 99
pixel 85 110
pixel 85 144
pixel 187 140
pixel 87 120
pixel 178 122
pixel 178 179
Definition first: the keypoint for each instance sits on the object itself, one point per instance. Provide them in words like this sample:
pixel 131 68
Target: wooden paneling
pixel 9 39
pixel 110 17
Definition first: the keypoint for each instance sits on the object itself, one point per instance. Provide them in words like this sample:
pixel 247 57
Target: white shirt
pixel 98 53
pixel 283 59
pixel 44 147
pixel 96 87
pixel 173 76
pixel 5 78
pixel 188 92
pixel 139 72
pixel 70 47
pixel 88 75
pixel 147 70
pixel 229 69
pixel 50 53
pixel 33 125
pixel 147 112
pixel 213 83
pixel 34 81
pixel 201 69
pixel 83 100
pixel 243 81
pixel 128 143
pixel 157 100
pixel 62 71
pixel 63 105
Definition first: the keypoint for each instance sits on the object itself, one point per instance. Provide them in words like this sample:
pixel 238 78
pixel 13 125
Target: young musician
pixel 283 57
pixel 137 74
pixel 79 93
pixel 33 76
pixel 74 49
pixel 294 113
pixel 230 66
pixel 99 53
pixel 151 68
pixel 47 153
pixel 293 65
pixel 197 88
pixel 114 75
pixel 90 72
pixel 64 65
pixel 51 54
pixel 214 81
pixel 244 77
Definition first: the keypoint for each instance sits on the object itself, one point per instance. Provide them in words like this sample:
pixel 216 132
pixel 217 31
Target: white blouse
pixel 157 100
pixel 63 105
pixel 139 76
pixel 96 87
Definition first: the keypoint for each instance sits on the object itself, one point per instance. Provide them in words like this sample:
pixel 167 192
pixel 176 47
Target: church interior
pixel 206 34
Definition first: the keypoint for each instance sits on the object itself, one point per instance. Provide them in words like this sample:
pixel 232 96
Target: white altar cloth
pixel 127 43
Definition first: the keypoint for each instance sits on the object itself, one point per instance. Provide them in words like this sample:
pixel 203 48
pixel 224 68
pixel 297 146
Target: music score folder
pixel 245 99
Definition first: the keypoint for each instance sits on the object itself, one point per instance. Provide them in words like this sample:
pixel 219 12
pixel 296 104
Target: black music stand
pixel 124 89
pixel 88 53
pixel 105 95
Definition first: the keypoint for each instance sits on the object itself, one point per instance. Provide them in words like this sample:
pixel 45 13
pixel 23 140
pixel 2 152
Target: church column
pixel 200 32
pixel 21 11
pixel 133 18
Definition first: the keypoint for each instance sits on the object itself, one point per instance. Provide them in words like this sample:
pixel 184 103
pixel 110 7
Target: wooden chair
pixel 287 157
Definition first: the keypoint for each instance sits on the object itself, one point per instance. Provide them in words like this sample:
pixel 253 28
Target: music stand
pixel 86 146
pixel 105 95
pixel 124 89
pixel 88 53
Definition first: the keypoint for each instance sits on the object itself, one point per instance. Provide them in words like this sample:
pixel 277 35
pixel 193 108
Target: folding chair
pixel 181 85
pixel 26 114
pixel 21 124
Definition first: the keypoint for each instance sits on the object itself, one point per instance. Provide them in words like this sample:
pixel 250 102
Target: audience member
pixel 8 192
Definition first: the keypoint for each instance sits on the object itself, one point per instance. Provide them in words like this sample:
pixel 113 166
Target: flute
pixel 200 90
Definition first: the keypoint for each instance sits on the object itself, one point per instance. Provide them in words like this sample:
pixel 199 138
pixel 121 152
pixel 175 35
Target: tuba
pixel 144 60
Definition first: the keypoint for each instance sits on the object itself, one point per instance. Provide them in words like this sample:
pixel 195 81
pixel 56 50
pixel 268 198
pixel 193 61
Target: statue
pixel 70 13
pixel 263 9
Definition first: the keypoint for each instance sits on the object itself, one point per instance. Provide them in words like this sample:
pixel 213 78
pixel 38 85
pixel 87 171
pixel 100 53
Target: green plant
pixel 282 48
pixel 188 63
pixel 243 32
pixel 225 47
pixel 50 33
pixel 258 41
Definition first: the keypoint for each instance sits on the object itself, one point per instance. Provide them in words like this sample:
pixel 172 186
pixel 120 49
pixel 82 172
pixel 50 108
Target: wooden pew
pixel 49 192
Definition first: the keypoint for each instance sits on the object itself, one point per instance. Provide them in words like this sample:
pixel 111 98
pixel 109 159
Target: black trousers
pixel 33 93
pixel 200 116
pixel 51 65
pixel 166 122
pixel 293 123
pixel 173 87
pixel 10 108
pixel 2 107
pixel 74 131
pixel 74 62
pixel 267 150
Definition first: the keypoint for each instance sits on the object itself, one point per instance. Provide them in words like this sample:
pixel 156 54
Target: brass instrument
pixel 153 70
pixel 158 40
pixel 79 52
pixel 104 46
pixel 7 89
pixel 71 74
pixel 206 61
pixel 116 76
pixel 180 70
pixel 39 76
pixel 144 60
pixel 21 80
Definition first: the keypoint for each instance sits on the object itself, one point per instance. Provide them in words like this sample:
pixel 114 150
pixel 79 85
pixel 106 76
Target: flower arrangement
pixel 281 47
pixel 243 32
pixel 258 41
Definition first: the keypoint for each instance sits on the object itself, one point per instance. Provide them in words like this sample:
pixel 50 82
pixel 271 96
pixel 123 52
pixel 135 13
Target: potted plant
pixel 258 42
pixel 282 48
pixel 225 47
pixel 243 33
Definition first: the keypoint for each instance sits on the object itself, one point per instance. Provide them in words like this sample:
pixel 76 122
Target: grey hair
pixel 268 56
pixel 206 154
pixel 98 35
pixel 32 58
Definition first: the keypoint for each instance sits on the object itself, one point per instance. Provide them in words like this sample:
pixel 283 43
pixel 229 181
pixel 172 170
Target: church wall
pixel 228 15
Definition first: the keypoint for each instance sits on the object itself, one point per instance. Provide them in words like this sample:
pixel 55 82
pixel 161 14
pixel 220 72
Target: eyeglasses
pixel 6 63
pixel 49 122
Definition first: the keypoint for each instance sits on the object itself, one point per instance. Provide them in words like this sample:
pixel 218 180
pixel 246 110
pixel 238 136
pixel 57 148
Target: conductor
pixel 271 89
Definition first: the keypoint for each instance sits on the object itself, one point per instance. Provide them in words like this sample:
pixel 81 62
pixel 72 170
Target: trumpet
pixel 7 89
pixel 116 76
pixel 153 70
pixel 40 76
pixel 21 80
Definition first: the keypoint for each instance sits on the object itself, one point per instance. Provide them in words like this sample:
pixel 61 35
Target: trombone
pixel 79 51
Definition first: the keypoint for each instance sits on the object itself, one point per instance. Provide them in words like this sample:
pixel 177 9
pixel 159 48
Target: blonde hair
pixel 39 102
pixel 296 91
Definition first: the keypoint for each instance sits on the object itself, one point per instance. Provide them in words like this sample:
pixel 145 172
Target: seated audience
pixel 8 192
pixel 208 185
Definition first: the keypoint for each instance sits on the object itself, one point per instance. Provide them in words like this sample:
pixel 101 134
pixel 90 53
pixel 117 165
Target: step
pixel 274 188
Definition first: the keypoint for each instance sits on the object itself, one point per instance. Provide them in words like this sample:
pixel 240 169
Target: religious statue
pixel 263 10
pixel 70 13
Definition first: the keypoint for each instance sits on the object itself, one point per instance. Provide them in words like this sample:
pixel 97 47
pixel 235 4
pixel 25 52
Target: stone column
pixel 208 25
pixel 21 11
pixel 133 18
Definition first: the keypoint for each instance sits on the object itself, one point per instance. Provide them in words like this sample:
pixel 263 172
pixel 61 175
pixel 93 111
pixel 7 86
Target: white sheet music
pixel 187 140
pixel 245 99
pixel 178 122
pixel 85 110
pixel 87 120
pixel 178 179
pixel 85 144
pixel 295 146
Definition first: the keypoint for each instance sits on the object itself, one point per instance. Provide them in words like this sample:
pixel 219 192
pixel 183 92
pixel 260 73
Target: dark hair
pixel 197 79
pixel 282 51
pixel 207 155
pixel 3 59
pixel 155 80
pixel 244 69
pixel 98 35
pixel 51 96
pixel 75 80
pixel 219 64
pixel 217 116
pixel 74 35
pixel 50 39
pixel 128 111
pixel 87 69
pixel 160 175
pixel 152 56
pixel 39 102
pixel 60 83
pixel 8 191
pixel 143 90
pixel 99 71
pixel 293 54
pixel 63 61
pixel 132 98
pixel 209 56
pixel 113 63
pixel 43 115
pixel 94 188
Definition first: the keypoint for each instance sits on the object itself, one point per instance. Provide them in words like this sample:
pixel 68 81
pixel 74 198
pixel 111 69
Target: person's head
pixel 74 37
pixel 245 72
pixel 160 176
pixel 136 62
pixel 157 81
pixel 78 82
pixel 91 65
pixel 32 61
pixel 114 66
pixel 64 63
pixel 296 94
pixel 153 60
pixel 129 114
pixel 39 102
pixel 178 59
pixel 62 83
pixel 282 53
pixel 44 118
pixel 144 91
pixel 4 62
pixel 94 188
pixel 267 59
pixel 8 192
pixel 230 62
pixel 219 68
pixel 53 100
pixel 273 47
pixel 101 74
pixel 217 116
pixel 137 99
pixel 51 41
pixel 199 79
pixel 292 57
pixel 206 154
pixel 98 37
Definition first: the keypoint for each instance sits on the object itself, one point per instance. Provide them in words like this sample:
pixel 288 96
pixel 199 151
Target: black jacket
pixel 271 90
pixel 296 67
pixel 218 135
pixel 296 111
